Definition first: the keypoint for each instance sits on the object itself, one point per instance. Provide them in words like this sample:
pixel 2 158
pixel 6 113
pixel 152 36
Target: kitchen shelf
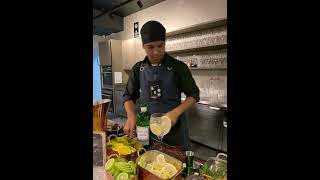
pixel 214 68
pixel 208 103
pixel 196 68
pixel 198 27
pixel 214 47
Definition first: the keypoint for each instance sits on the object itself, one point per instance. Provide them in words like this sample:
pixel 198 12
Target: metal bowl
pixel 150 156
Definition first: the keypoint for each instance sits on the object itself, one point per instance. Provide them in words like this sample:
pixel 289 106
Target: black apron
pixel 159 92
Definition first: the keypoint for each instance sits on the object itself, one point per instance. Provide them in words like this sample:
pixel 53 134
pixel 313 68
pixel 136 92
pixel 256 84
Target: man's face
pixel 155 51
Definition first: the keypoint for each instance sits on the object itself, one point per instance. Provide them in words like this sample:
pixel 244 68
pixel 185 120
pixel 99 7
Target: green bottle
pixel 143 134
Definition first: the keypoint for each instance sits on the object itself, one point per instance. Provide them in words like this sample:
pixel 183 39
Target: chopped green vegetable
pixel 217 170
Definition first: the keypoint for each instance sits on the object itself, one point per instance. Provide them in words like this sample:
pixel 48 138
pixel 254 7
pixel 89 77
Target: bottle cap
pixel 143 109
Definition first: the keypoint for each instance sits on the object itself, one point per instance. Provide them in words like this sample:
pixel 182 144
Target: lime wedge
pixel 133 167
pixel 123 176
pixel 110 164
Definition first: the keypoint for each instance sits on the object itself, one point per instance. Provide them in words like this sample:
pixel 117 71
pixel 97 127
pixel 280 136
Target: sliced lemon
pixel 158 166
pixel 160 159
pixel 149 167
pixel 165 118
pixel 142 162
pixel 155 129
pixel 116 148
pixel 165 124
pixel 170 170
pixel 156 172
pixel 164 176
pixel 117 145
pixel 124 150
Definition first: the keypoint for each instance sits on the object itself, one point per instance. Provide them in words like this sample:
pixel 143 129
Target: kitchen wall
pixel 178 14
pixel 175 14
pixel 212 85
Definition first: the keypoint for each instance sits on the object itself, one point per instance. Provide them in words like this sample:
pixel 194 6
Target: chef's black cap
pixel 152 31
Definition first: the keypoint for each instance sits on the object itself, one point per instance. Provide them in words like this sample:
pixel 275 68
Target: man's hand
pixel 130 127
pixel 173 116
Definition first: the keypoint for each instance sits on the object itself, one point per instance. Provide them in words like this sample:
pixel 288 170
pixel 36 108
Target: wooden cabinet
pixel 104 52
pixel 132 52
pixel 128 53
pixel 139 51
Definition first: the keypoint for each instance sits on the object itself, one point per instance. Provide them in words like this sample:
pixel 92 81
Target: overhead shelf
pixel 213 47
pixel 198 27
pixel 213 68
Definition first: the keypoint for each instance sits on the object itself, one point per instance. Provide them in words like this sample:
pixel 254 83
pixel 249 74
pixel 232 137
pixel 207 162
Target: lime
pixel 121 159
pixel 112 171
pixel 123 176
pixel 110 164
pixel 115 175
pixel 133 167
pixel 122 166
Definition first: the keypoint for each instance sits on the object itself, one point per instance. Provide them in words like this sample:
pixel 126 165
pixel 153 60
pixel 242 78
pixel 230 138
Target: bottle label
pixel 143 133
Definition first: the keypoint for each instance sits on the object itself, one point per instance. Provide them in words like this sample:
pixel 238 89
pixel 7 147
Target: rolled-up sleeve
pixel 133 85
pixel 187 83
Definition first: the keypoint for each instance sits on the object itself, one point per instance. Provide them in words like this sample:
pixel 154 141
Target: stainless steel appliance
pixel 106 75
pixel 208 126
pixel 109 54
pixel 107 84
pixel 118 100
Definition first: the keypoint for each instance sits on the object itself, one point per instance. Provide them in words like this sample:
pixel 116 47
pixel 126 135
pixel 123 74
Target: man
pixel 158 82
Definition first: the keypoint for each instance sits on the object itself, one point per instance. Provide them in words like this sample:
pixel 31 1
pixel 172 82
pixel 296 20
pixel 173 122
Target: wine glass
pixel 160 125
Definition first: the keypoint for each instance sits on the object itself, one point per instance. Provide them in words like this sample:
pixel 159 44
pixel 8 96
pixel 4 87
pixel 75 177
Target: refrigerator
pixel 110 54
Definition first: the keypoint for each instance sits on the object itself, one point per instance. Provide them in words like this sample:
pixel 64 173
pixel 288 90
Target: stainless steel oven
pixel 106 83
pixel 106 76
